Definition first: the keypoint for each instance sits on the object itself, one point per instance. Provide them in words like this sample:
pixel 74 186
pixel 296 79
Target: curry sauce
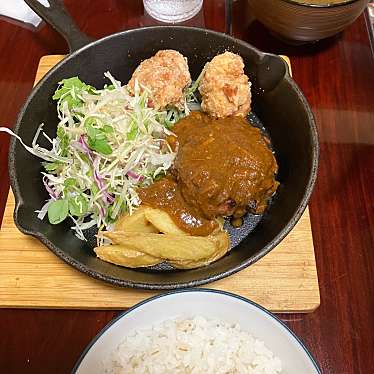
pixel 165 194
pixel 223 166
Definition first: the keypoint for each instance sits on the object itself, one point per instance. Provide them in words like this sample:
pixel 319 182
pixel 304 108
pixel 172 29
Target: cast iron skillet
pixel 277 101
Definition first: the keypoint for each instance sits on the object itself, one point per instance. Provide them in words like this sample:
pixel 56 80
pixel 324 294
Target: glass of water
pixel 172 11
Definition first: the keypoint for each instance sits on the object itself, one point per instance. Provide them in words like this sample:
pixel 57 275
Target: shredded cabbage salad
pixel 108 144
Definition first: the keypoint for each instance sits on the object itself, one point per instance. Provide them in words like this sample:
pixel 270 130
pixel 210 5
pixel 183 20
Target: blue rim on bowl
pixel 192 290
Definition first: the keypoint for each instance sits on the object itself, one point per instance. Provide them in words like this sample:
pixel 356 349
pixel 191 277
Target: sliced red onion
pixel 100 183
pixel 107 198
pixel 102 212
pixel 95 162
pixel 52 193
pixel 85 148
pixel 78 146
pixel 135 176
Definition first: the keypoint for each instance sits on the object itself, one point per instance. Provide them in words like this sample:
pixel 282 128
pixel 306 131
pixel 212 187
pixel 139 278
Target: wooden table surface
pixel 337 77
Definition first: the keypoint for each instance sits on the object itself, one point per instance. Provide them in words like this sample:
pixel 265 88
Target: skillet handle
pixel 228 17
pixel 58 17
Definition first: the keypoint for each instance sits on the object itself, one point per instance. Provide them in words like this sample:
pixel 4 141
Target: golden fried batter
pixel 166 75
pixel 224 87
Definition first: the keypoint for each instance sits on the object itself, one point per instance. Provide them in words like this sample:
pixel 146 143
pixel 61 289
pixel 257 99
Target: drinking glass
pixel 172 11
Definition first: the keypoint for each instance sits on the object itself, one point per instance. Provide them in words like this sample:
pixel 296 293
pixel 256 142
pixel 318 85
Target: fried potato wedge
pixel 165 246
pixel 222 242
pixel 137 242
pixel 124 256
pixel 136 222
pixel 162 221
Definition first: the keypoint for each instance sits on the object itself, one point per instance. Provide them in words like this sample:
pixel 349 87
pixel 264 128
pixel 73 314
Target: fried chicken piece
pixel 224 87
pixel 166 75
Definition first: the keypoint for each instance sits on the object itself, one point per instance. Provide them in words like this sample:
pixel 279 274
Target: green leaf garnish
pixel 94 189
pixel 109 87
pixel 69 91
pixel 64 141
pixel 131 135
pixel 51 166
pixel 97 139
pixel 159 176
pixel 57 211
pixel 91 131
pixel 100 145
pixel 108 129
pixel 69 182
pixel 78 206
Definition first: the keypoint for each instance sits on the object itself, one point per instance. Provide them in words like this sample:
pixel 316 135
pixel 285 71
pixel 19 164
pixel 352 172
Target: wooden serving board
pixel 31 276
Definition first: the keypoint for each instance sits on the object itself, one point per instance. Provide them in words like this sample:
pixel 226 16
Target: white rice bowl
pixel 196 331
pixel 194 345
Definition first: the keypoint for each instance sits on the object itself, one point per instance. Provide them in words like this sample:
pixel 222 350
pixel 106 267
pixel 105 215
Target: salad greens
pixel 108 143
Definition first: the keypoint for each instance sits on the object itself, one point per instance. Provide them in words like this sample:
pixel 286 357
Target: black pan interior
pixel 277 101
